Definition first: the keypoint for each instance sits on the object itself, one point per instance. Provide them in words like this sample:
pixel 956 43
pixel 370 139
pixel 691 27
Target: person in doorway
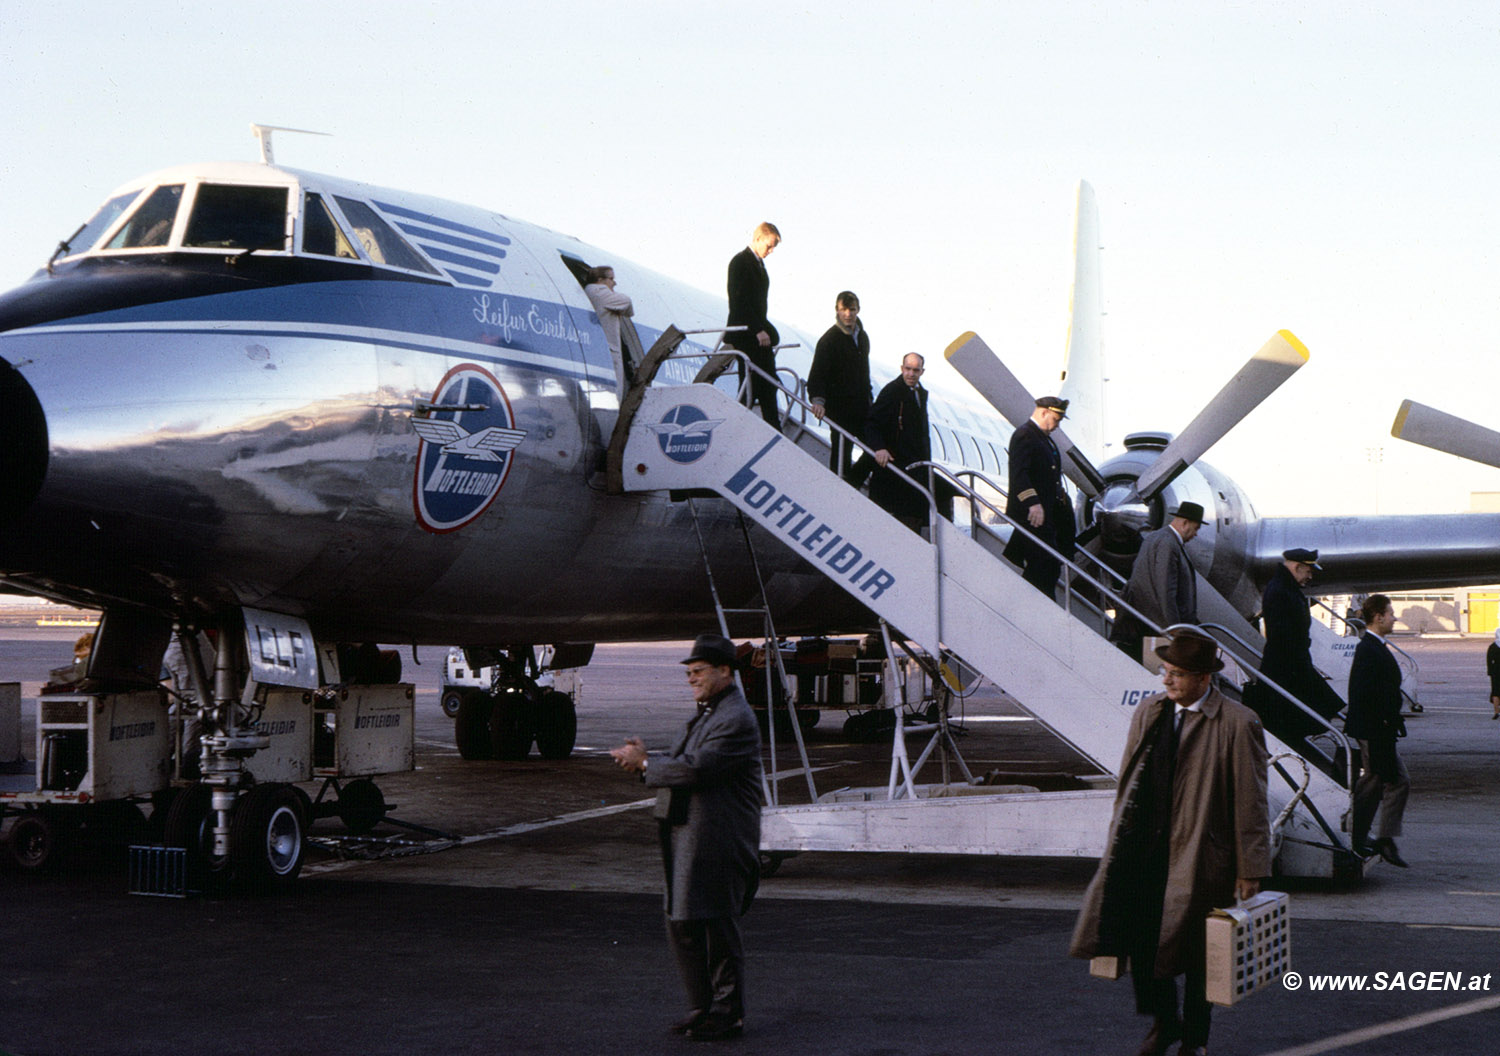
pixel 749 288
pixel 708 804
pixel 897 431
pixel 838 383
pixel 1374 718
pixel 1163 586
pixel 612 307
pixel 1037 500
pixel 1189 834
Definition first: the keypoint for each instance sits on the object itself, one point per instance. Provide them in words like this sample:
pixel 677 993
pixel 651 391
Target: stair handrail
pixel 1092 557
pixel 973 495
pixel 1340 738
pixel 795 398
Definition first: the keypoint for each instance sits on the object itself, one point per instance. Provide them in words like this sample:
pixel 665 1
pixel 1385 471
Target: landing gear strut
pixel 516 711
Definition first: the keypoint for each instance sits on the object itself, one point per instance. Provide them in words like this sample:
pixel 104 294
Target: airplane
pixel 242 393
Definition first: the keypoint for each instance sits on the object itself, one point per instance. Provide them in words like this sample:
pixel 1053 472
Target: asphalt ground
pixel 539 930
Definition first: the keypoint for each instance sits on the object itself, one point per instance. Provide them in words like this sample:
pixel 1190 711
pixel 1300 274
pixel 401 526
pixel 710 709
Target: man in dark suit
pixel 838 384
pixel 1036 498
pixel 749 289
pixel 1163 586
pixel 708 804
pixel 1288 659
pixel 898 433
pixel 1375 719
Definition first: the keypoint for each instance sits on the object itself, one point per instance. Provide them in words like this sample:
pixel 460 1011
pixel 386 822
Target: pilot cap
pixel 1189 511
pixel 1192 651
pixel 1054 403
pixel 1306 557
pixel 712 649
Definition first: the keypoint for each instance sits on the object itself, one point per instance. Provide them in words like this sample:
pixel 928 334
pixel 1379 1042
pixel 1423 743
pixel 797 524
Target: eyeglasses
pixel 698 669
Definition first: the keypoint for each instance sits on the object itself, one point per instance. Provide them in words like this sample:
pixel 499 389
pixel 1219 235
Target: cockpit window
pixel 232 216
pixel 380 241
pixel 152 223
pixel 99 223
pixel 321 233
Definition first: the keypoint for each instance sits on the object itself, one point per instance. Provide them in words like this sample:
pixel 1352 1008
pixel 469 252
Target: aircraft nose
pixel 23 443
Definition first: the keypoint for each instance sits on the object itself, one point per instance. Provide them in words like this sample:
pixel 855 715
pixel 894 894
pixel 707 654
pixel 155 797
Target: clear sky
pixel 1328 168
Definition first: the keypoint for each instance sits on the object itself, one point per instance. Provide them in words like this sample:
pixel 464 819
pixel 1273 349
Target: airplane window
pixel 99 223
pixel 152 223
pixel 380 241
pixel 227 216
pixel 321 234
pixel 940 452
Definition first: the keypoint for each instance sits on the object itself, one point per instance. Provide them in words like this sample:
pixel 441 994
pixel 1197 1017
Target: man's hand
pixel 882 457
pixel 764 339
pixel 1035 515
pixel 631 755
pixel 819 410
pixel 1244 889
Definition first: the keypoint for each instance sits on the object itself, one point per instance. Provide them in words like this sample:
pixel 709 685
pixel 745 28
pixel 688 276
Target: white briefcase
pixel 1249 946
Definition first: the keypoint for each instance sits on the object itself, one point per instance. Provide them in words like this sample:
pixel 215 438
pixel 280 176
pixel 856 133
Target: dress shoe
pixel 689 1021
pixel 717 1026
pixel 1159 1038
pixel 1387 850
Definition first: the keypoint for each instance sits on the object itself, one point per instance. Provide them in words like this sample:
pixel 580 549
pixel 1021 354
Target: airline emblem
pixel 684 433
pixel 466 448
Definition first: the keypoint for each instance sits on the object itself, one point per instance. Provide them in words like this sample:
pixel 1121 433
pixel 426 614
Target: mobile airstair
pixel 948 594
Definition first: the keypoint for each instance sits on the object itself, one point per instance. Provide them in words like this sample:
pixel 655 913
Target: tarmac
pixel 533 925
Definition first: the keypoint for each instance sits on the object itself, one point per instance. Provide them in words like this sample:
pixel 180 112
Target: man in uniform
pixel 897 431
pixel 1189 834
pixel 1163 586
pixel 838 383
pixel 1375 719
pixel 749 290
pixel 1036 499
pixel 1287 660
pixel 708 803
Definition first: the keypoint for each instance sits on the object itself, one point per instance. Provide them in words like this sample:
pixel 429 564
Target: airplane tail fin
pixel 1083 362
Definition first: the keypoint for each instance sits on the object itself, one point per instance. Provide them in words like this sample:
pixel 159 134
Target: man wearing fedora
pixel 708 801
pixel 1163 586
pixel 1036 499
pixel 1189 834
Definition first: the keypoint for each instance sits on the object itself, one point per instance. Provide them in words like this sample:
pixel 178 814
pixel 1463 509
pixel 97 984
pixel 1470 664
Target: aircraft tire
pixel 512 727
pixel 33 842
pixel 188 824
pixel 452 700
pixel 267 837
pixel 557 725
pixel 361 806
pixel 471 726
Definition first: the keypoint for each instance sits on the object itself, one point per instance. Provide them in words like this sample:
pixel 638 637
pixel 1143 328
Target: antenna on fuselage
pixel 263 133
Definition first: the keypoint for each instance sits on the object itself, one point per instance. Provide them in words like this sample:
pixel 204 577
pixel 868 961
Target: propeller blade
pixel 977 362
pixel 1442 431
pixel 1277 360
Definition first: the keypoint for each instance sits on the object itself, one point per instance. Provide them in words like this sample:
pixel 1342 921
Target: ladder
pixel 945 592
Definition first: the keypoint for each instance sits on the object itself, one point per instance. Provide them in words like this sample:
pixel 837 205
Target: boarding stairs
pixel 947 594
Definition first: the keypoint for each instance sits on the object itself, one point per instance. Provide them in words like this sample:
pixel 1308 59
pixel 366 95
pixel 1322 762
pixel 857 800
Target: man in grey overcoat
pixel 708 804
pixel 1189 834
pixel 1163 586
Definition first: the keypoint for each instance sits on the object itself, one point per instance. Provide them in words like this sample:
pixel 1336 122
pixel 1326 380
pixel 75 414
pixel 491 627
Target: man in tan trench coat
pixel 1189 834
